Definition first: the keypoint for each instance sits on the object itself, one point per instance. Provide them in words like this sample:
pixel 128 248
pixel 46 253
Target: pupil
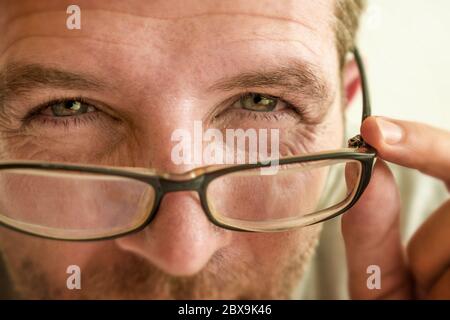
pixel 73 105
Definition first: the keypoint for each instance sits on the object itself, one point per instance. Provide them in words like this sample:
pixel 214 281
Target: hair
pixel 348 14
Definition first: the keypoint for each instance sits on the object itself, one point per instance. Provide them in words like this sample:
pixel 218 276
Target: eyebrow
pixel 296 76
pixel 16 79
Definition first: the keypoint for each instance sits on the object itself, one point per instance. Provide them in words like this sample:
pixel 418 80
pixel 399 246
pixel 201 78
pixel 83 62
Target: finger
pixel 410 144
pixel 429 248
pixel 372 237
pixel 441 290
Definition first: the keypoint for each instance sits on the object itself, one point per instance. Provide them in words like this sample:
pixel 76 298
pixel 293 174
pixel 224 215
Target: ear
pixel 352 81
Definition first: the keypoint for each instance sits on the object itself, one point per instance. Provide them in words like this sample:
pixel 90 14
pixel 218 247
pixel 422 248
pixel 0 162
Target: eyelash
pixel 290 110
pixel 35 114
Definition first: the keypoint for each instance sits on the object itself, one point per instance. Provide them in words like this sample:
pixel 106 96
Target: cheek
pixel 293 191
pixel 28 257
pixel 272 252
pixel 288 194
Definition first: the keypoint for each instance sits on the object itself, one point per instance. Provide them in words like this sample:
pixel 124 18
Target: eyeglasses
pixel 81 202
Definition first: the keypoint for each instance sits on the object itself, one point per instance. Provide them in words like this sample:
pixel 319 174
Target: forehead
pixel 154 36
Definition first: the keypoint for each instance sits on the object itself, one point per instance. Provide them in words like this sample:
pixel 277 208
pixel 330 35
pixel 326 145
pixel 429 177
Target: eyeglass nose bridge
pixel 168 185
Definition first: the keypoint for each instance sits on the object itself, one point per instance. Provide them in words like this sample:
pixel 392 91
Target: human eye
pixel 61 128
pixel 258 102
pixel 260 107
pixel 65 111
pixel 68 108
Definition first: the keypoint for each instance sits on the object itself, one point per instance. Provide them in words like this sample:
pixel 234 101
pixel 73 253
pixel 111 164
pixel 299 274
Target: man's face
pixel 154 67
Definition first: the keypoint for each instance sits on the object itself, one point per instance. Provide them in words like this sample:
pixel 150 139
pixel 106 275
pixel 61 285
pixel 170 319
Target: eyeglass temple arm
pixel 357 141
pixel 364 87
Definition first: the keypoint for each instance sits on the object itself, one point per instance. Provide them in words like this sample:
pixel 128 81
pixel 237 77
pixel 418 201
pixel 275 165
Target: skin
pixel 158 76
pixel 158 62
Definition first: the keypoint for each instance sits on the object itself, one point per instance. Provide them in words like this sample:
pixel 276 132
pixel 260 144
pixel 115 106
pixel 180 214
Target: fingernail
pixel 392 133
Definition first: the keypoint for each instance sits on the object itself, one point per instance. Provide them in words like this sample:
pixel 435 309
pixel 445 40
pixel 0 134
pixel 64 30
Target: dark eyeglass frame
pixel 198 179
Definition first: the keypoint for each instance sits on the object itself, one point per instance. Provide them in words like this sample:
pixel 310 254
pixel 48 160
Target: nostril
pixel 174 257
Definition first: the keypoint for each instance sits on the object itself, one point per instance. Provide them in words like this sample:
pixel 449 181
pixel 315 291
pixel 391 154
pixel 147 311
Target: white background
pixel 406 45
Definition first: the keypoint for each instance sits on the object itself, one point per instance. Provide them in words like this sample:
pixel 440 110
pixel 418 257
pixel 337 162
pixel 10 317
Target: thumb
pixel 371 234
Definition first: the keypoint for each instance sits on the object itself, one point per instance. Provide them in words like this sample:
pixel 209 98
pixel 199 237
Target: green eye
pixel 258 102
pixel 70 108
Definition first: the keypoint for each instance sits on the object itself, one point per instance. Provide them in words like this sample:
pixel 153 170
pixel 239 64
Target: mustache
pixel 113 273
pixel 130 276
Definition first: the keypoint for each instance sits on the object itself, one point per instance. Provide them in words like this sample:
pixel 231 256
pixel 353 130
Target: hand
pixel 371 228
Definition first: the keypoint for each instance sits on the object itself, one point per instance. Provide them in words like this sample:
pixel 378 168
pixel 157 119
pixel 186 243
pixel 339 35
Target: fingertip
pixel 371 132
pixel 385 136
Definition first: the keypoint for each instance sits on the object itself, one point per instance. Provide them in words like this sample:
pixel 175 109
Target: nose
pixel 180 240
